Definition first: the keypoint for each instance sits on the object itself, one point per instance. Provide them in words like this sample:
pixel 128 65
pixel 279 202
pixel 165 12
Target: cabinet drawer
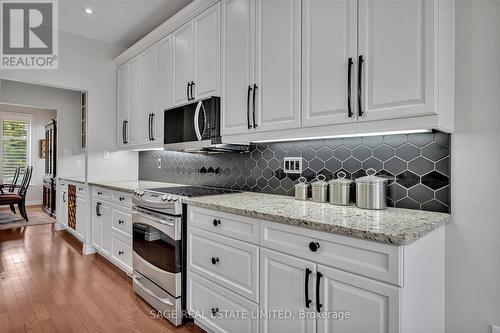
pixel 81 189
pixel 203 296
pixel 121 253
pixel 101 193
pixel 122 222
pixel 234 226
pixel 231 263
pixel 122 198
pixel 374 260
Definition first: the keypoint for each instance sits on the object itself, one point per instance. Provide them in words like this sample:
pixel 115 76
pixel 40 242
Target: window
pixel 16 144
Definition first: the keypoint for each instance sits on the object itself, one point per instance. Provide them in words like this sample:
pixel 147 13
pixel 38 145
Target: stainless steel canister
pixel 340 190
pixel 371 191
pixel 319 189
pixel 301 189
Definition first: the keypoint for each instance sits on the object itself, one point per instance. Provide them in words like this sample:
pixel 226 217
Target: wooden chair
pixel 10 187
pixel 19 198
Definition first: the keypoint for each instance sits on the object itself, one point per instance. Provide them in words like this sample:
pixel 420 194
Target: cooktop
pixel 193 191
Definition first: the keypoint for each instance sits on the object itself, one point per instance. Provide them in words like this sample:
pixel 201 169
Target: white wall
pixel 85 64
pixel 39 118
pixel 71 159
pixel 473 237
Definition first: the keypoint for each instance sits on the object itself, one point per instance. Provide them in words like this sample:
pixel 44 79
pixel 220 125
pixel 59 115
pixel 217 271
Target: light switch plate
pixel 292 165
pixel 159 163
pixel 495 329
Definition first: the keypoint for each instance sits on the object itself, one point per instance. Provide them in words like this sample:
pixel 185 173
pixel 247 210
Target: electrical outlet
pixel 292 165
pixel 159 163
pixel 495 329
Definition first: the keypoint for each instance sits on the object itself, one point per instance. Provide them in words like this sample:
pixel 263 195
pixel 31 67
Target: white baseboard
pixel 59 226
pixel 88 249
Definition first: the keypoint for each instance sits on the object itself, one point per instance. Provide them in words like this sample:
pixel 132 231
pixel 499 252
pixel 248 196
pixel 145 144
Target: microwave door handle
pixel 196 122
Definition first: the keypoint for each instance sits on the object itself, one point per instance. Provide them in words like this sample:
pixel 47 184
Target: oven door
pixel 157 249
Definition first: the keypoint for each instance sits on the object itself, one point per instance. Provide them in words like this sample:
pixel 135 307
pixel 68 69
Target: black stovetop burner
pixel 194 191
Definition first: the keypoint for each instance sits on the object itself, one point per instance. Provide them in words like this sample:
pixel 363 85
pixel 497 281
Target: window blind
pixel 15 146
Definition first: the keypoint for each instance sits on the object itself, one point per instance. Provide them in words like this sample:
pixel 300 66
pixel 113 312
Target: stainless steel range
pixel 159 230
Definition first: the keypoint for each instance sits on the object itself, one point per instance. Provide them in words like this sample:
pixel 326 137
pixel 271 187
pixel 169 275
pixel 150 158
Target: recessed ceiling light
pixel 89 11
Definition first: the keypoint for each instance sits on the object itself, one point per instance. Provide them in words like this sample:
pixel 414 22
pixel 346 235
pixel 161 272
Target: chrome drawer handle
pixel 150 293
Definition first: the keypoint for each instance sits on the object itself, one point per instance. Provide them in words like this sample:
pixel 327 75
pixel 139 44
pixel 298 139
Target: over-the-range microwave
pixel 195 127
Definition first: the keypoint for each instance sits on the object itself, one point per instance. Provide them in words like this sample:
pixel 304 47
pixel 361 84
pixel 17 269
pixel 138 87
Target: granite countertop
pixel 131 185
pixel 394 226
pixel 73 179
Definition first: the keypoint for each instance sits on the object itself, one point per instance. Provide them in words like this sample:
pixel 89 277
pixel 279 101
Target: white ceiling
pixel 117 22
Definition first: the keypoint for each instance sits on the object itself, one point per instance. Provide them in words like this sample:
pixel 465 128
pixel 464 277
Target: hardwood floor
pixel 48 285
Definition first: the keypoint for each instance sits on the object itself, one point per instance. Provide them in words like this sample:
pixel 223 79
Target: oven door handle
pixel 152 218
pixel 196 120
pixel 150 293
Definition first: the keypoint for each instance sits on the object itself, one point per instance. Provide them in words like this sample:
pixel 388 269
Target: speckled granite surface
pixel 73 179
pixel 130 186
pixel 395 226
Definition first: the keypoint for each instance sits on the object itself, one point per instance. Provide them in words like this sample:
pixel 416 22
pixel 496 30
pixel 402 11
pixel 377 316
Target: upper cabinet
pixel 329 49
pixel 396 57
pixel 196 57
pixel 261 82
pixel 289 69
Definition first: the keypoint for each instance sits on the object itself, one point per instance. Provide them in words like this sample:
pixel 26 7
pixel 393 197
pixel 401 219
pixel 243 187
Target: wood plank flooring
pixel 48 285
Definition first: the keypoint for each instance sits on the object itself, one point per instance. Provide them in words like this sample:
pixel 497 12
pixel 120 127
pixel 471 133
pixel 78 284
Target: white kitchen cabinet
pixel 329 51
pixel 112 226
pixel 134 101
pixel 123 104
pixel 182 43
pixel 82 217
pixel 261 82
pixel 278 64
pixel 163 85
pixel 147 92
pixel 196 57
pixel 206 53
pixel 62 215
pixel 373 306
pixel 284 282
pixel 238 39
pixel 397 41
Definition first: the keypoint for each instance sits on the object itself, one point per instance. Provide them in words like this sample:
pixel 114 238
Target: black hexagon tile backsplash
pixel 417 165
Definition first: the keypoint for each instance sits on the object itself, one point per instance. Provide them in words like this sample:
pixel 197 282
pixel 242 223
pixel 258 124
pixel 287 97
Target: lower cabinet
pixel 62 210
pixel 371 306
pixel 286 285
pixel 217 309
pixel 112 226
pixel 341 285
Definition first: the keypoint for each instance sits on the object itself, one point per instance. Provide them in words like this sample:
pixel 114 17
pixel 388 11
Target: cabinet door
pixel 278 64
pixel 148 92
pixel 82 218
pixel 238 35
pixel 134 100
pixel 396 41
pixel 163 85
pixel 283 287
pixel 123 107
pixel 62 216
pixel 329 41
pixel 206 56
pixel 373 306
pixel 182 43
pixel 96 224
pixel 107 226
